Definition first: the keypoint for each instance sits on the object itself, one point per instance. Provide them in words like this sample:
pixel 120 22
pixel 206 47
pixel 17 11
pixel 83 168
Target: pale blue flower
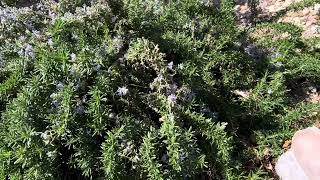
pixel 22 38
pixel 53 17
pixel 190 96
pixel 173 88
pixel 275 55
pixel 122 91
pixel 156 81
pixel 158 78
pixel 172 98
pixel 21 52
pixel 165 158
pixel 97 67
pixel 50 42
pixel 55 104
pixel 60 86
pixel 210 113
pixel 80 110
pixel 183 156
pixel 113 19
pixel 252 51
pixel 28 52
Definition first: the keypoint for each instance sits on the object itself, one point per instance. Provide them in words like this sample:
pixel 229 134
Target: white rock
pixel 317 8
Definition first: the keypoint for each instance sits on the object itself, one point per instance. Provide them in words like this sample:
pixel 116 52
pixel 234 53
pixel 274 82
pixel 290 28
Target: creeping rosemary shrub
pixel 130 89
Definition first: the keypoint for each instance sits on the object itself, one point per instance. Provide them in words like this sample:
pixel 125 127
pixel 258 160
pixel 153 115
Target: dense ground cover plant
pixel 137 89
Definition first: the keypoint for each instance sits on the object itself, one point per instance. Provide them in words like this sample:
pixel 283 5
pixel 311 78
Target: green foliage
pixel 268 96
pixel 149 157
pixel 111 160
pixel 143 89
pixel 292 55
pixel 302 4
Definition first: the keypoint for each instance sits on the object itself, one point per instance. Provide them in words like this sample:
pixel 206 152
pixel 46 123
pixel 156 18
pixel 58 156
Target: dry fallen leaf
pixel 317 124
pixel 287 145
pixel 269 166
pixel 267 152
pixel 243 94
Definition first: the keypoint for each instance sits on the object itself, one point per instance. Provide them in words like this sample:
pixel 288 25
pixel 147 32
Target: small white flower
pixel 269 91
pixel 170 65
pixel 73 57
pixel 112 115
pixel 158 78
pixel 180 66
pixel 45 137
pixel 84 99
pixel 51 154
pixel 223 125
pixel 136 158
pixel 312 89
pixel 67 16
pixel 127 147
pixel 50 42
pixel 118 42
pixel 278 64
pixel 137 122
pixel 122 91
pixel 75 36
pixel 53 95
pixel 36 33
